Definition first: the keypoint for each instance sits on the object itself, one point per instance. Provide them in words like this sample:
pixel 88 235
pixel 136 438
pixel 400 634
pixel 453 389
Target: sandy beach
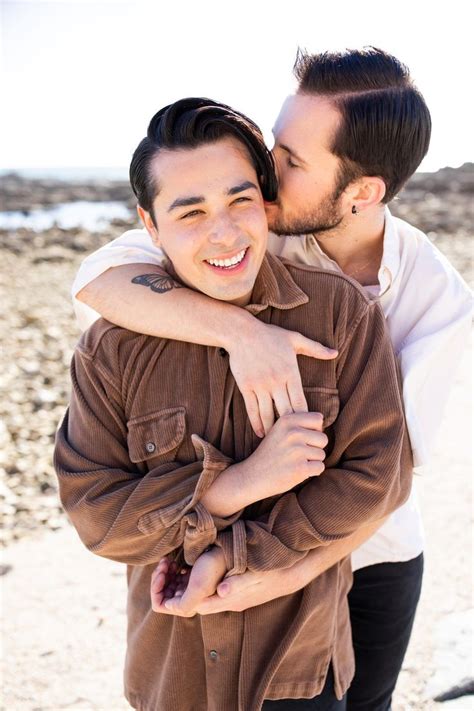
pixel 63 608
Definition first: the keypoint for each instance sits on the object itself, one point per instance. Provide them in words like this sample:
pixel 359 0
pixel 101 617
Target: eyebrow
pixel 246 185
pixel 185 201
pixel 198 199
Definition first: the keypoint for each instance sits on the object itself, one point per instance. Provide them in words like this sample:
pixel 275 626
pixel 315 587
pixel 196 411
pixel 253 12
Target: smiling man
pixel 156 455
pixel 345 143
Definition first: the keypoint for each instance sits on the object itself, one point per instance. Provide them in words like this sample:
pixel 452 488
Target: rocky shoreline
pixel 38 331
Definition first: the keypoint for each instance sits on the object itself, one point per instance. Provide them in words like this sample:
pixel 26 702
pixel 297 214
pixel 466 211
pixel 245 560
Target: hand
pixel 239 592
pixel 174 592
pixel 167 580
pixel 291 452
pixel 265 369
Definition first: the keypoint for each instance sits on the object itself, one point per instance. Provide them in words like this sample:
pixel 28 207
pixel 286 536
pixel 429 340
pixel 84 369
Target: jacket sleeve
pixel 368 468
pixel 120 510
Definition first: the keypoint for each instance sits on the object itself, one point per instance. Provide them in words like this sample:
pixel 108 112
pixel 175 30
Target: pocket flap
pixel 325 401
pixel 156 434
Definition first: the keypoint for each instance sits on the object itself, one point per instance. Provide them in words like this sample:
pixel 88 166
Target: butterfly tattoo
pixel 157 282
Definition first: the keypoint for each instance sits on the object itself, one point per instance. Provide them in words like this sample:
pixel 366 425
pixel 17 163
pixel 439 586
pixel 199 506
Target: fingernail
pixel 332 351
pixel 169 605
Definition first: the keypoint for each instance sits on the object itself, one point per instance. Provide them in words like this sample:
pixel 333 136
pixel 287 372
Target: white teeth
pixel 228 262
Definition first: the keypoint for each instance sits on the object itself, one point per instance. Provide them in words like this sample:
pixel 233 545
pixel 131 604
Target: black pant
pixel 325 701
pixel 382 605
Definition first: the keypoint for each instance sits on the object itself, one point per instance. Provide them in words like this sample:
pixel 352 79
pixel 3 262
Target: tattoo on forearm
pixel 157 282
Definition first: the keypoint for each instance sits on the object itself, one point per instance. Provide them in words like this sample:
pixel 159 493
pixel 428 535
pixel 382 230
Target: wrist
pixel 243 323
pixel 227 494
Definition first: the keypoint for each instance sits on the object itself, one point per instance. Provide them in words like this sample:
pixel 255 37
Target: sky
pixel 81 79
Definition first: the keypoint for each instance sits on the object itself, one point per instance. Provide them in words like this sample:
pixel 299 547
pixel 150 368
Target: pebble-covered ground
pixel 38 333
pixel 38 330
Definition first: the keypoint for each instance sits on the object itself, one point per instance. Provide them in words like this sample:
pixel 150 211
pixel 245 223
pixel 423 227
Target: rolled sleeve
pixel 234 547
pixel 120 510
pixel 194 527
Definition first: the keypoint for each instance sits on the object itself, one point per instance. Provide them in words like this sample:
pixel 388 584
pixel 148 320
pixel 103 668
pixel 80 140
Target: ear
pixel 149 225
pixel 366 192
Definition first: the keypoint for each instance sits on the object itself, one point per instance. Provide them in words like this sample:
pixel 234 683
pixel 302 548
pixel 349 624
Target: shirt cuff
pixel 198 527
pixel 234 546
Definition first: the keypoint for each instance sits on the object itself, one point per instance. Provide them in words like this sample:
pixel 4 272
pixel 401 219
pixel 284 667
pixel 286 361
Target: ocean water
pixel 91 216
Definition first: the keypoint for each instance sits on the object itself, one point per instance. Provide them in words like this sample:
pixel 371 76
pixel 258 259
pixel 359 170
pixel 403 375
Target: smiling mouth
pixel 230 263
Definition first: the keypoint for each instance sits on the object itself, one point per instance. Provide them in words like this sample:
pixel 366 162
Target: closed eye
pixel 192 213
pixel 290 163
pixel 242 198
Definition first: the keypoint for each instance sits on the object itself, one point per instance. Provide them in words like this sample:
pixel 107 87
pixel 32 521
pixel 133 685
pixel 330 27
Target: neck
pixel 357 244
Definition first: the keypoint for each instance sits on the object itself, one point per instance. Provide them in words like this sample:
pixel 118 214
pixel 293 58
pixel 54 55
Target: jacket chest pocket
pixel 325 401
pixel 157 437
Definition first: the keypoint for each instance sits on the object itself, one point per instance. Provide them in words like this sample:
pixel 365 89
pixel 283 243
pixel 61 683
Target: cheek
pixel 293 187
pixel 253 220
pixel 181 248
pixel 259 228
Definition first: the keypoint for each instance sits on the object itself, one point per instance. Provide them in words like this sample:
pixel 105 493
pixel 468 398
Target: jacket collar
pixel 274 287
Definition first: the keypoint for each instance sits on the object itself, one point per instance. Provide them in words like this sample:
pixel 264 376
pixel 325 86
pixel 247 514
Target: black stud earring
pixel 354 210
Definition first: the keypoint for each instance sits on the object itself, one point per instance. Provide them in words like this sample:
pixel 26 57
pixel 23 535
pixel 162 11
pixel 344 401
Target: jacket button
pixel 150 447
pixel 222 352
pixel 213 654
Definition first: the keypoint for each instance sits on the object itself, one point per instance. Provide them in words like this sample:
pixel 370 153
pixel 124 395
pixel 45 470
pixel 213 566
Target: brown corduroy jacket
pixel 153 422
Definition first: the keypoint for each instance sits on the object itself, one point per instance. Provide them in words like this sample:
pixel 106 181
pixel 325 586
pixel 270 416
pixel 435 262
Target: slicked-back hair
pixel 385 124
pixel 192 122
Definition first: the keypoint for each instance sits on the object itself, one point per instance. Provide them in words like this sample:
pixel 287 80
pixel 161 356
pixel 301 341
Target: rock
pixel 452 655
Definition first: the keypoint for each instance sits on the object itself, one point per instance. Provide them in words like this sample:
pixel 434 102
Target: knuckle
pixel 299 403
pixel 283 422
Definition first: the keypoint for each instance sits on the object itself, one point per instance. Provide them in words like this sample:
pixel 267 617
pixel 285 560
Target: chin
pixel 232 296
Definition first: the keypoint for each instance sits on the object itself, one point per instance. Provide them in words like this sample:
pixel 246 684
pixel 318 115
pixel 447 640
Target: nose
pixel 225 231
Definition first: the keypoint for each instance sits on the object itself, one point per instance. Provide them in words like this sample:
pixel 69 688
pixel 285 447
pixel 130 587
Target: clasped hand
pixel 181 590
pixel 185 592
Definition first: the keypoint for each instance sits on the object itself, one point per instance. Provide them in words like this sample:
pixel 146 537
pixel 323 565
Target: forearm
pixel 321 559
pixel 179 314
pixel 232 491
pixel 121 511
pixel 249 589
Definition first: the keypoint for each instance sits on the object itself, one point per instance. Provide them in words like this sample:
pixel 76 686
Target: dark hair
pixel 192 122
pixel 385 124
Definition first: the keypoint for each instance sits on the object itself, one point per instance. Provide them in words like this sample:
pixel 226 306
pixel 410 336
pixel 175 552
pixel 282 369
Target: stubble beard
pixel 325 218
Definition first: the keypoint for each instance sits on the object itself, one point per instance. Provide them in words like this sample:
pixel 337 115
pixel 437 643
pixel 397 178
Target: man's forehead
pixel 306 122
pixel 219 166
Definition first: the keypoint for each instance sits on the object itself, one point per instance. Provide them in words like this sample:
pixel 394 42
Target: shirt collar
pixel 273 287
pixel 390 263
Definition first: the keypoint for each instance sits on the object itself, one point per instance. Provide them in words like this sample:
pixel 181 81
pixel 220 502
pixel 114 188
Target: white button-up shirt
pixel 428 308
